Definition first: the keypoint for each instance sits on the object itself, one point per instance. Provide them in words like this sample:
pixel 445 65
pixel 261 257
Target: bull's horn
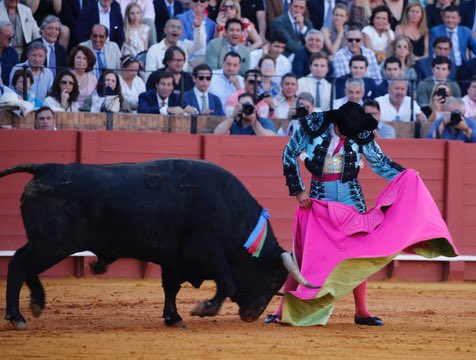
pixel 293 270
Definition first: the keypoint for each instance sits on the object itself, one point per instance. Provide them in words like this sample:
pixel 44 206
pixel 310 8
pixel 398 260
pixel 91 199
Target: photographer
pixel 453 125
pixel 245 121
pixel 304 106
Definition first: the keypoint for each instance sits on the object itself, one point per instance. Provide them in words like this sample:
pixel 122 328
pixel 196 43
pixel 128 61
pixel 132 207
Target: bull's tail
pixel 28 168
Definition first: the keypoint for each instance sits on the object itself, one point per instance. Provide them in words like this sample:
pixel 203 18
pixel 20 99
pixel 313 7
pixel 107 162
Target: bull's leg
pixel 24 266
pixel 37 295
pixel 225 288
pixel 171 288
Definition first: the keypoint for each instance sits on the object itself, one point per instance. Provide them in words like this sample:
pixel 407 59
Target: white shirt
pixel 283 65
pixel 222 87
pixel 281 107
pixel 104 17
pixel 131 94
pixel 389 113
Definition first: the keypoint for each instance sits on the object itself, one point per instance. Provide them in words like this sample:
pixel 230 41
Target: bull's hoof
pixel 205 308
pixel 36 309
pixel 18 325
pixel 179 325
pixel 175 322
pixel 18 321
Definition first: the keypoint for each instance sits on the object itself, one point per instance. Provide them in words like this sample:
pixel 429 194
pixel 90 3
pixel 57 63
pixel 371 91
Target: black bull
pixel 189 216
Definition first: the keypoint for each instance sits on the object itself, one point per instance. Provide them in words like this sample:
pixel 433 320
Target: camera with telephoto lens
pixel 455 118
pixel 301 111
pixel 247 109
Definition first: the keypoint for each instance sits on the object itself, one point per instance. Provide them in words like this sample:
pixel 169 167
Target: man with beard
pixel 396 105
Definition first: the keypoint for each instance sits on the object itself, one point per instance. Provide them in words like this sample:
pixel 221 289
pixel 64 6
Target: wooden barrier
pixel 448 169
pixel 159 123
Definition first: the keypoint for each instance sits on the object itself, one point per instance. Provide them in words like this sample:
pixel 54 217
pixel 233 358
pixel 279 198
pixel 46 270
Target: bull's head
pixel 257 280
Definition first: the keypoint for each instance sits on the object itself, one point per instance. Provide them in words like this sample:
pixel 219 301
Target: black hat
pixel 351 119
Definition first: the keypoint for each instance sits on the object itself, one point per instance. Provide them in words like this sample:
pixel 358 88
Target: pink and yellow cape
pixel 337 248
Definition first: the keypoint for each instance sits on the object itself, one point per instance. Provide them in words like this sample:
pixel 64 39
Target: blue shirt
pixel 238 129
pixel 450 133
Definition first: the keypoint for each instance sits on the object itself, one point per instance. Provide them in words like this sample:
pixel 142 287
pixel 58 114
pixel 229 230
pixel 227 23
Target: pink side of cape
pixel 403 217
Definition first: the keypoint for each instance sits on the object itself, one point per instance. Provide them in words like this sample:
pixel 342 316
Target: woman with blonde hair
pixel 231 9
pixel 414 26
pixel 334 38
pixel 136 34
pixel 402 48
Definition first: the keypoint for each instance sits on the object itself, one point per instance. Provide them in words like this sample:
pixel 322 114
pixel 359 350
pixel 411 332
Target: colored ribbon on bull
pixel 255 241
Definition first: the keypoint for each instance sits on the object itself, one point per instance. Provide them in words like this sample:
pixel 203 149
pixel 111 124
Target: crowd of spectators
pixel 251 60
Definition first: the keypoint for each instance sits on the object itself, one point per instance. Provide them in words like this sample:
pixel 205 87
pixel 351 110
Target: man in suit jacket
pixel 187 19
pixel 8 55
pixel 467 9
pixel 11 9
pixel 160 100
pixel 107 53
pixel 56 56
pixel 440 70
pixel 451 28
pixel 90 16
pixel 218 48
pixel 441 47
pixel 162 14
pixel 293 26
pixel 320 11
pixel 274 9
pixel 199 98
pixel 358 67
pixel 316 84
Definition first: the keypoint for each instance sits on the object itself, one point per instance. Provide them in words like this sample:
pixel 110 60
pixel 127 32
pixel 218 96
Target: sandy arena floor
pixel 121 319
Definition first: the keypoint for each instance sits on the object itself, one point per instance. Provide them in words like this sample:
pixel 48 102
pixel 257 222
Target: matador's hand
pixel 303 199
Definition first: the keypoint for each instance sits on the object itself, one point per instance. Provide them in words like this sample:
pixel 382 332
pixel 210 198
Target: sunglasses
pixel 202 1
pixel 354 40
pixel 64 82
pixel 208 78
pixel 252 81
pixel 226 7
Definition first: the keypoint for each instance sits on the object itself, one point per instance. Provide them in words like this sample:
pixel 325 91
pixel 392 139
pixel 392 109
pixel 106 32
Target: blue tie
pixel 170 10
pixel 52 60
pixel 100 66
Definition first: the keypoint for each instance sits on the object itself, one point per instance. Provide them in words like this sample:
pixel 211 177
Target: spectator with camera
pixel 441 68
pixel 286 100
pixel 304 107
pixel 263 100
pixel 453 125
pixel 245 121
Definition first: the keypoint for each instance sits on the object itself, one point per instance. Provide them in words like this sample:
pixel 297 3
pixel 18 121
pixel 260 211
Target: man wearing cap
pixel 331 145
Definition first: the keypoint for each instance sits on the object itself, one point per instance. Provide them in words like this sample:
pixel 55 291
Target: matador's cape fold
pixel 337 248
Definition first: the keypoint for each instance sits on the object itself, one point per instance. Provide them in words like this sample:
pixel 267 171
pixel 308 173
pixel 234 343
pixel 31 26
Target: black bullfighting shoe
pixel 272 318
pixel 370 321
